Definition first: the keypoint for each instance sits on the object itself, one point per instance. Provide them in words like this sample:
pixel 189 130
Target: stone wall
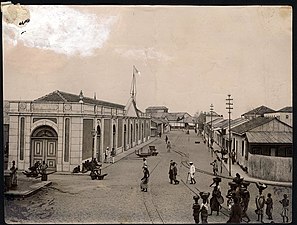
pixel 270 168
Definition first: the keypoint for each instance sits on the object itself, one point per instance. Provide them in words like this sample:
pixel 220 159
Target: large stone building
pixel 66 129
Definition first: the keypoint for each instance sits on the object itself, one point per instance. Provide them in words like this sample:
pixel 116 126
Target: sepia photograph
pixel 147 114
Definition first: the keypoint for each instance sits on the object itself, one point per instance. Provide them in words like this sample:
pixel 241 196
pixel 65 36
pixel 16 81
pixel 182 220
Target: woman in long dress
pixel 145 179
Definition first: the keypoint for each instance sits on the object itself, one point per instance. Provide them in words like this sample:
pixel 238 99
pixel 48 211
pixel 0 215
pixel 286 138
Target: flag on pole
pixel 135 71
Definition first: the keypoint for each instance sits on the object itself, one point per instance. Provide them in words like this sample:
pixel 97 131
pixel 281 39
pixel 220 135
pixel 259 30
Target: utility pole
pixel 211 138
pixel 229 105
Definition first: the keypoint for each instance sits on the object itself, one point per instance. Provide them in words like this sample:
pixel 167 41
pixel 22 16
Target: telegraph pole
pixel 211 138
pixel 229 105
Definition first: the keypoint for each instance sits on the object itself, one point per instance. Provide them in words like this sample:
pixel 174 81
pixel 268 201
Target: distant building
pixel 156 111
pixel 285 114
pixel 180 120
pixel 257 112
pixel 66 129
pixel 263 146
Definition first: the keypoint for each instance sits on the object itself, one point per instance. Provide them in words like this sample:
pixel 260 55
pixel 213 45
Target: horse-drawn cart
pixel 151 151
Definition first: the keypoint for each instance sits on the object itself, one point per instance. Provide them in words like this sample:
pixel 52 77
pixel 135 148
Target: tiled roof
pixel 156 107
pixel 259 111
pixel 286 109
pixel 270 137
pixel 251 124
pixel 59 96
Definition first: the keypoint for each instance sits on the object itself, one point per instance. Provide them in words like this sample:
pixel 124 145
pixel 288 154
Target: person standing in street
pixel 112 154
pixel 260 201
pixel 13 174
pixel 106 155
pixel 175 173
pixel 285 204
pixel 215 167
pixel 192 173
pixel 168 146
pixel 204 207
pixel 171 171
pixel 269 206
pixel 166 139
pixel 196 209
pixel 145 179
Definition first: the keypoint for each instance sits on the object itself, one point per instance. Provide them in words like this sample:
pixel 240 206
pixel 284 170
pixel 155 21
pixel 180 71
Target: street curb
pixel 32 190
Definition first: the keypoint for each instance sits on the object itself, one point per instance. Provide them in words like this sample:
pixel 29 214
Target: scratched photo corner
pixel 147 114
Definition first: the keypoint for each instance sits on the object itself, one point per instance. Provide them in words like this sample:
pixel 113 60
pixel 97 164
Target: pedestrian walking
pixel 106 155
pixel 216 199
pixel 112 154
pixel 192 173
pixel 215 167
pixel 285 210
pixel 145 179
pixel 166 139
pixel 236 212
pixel 196 209
pixel 204 207
pixel 269 206
pixel 168 146
pixel 260 201
pixel 171 171
pixel 175 173
pixel 245 204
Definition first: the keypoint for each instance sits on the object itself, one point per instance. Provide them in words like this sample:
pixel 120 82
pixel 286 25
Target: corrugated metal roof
pixel 270 137
pixel 251 124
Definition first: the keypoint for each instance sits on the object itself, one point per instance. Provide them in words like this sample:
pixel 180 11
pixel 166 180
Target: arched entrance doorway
pixel 44 146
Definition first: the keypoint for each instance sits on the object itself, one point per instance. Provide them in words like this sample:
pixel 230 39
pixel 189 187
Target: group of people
pixel 238 200
pixel 109 155
pixel 173 172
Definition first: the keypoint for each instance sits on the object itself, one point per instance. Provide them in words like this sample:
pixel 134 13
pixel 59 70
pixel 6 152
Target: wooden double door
pixel 44 147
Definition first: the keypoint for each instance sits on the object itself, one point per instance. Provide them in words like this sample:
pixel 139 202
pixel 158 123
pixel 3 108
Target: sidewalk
pixel 235 168
pixel 116 158
pixel 27 186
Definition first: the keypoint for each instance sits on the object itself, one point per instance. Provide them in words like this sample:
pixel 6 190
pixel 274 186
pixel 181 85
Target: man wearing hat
pixel 192 173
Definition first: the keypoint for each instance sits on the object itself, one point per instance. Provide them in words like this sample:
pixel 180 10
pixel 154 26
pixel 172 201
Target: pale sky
pixel 188 57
